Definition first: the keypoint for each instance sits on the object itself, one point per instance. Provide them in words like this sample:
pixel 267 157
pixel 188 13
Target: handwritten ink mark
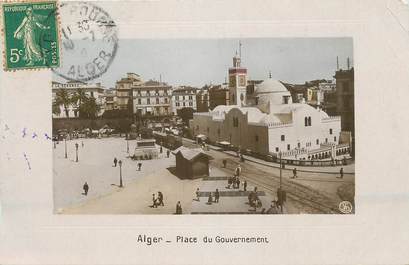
pixel 28 162
pixel 47 137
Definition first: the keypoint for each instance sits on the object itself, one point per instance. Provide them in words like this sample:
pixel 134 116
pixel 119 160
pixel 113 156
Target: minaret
pixel 237 82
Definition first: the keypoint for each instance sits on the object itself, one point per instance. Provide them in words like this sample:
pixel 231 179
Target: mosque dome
pixel 269 93
pixel 270 86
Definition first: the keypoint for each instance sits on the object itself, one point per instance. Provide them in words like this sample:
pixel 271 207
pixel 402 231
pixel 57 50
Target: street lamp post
pixel 280 190
pixel 65 143
pixel 127 144
pixel 281 169
pixel 120 174
pixel 76 152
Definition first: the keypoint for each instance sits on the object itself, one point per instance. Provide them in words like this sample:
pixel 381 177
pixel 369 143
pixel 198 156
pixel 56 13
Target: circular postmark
pixel 88 41
pixel 345 207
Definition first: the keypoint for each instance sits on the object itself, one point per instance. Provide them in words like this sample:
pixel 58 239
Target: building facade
pixel 71 108
pixel 270 123
pixel 219 95
pixel 152 98
pixel 110 99
pixel 345 101
pixel 184 97
pixel 124 90
pixel 202 99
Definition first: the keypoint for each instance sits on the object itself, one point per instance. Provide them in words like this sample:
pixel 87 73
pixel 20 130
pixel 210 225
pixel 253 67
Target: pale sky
pixel 197 62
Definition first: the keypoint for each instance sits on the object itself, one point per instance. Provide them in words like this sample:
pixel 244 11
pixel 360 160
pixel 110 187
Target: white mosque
pixel 268 122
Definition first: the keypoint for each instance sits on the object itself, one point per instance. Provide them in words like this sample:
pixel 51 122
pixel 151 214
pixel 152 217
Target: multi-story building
pixel 219 95
pixel 152 98
pixel 65 93
pixel 270 123
pixel 345 101
pixel 184 97
pixel 110 99
pixel 202 99
pixel 124 90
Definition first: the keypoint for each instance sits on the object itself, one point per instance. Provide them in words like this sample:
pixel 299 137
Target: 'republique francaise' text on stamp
pixel 30 35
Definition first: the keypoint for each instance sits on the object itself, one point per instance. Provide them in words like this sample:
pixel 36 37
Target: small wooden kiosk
pixel 191 163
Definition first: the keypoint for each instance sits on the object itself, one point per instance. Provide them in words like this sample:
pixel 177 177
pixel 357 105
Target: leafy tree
pixel 89 108
pixel 186 114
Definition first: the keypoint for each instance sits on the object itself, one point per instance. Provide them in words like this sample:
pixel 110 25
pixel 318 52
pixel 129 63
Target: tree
pixel 79 97
pixel 56 108
pixel 63 98
pixel 89 108
pixel 186 114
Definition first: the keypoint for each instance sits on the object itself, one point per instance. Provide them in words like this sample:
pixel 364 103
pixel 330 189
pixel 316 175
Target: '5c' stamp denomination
pixel 30 35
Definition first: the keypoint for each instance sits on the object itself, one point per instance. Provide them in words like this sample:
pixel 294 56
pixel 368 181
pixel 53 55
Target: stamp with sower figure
pixel 31 36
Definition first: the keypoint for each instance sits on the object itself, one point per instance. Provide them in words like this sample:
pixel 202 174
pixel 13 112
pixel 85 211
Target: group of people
pixel 341 173
pixel 157 201
pixel 216 197
pixel 254 200
pixel 235 180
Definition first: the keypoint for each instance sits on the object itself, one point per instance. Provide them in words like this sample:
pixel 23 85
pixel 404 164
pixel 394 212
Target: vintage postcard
pixel 247 137
pixel 204 132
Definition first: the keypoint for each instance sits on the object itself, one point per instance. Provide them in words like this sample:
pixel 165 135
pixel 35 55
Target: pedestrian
pixel 245 185
pixel 198 194
pixel 224 163
pixel 216 196
pixel 160 199
pixel 294 173
pixel 341 172
pixel 238 170
pixel 178 208
pixel 86 188
pixel 161 150
pixel 154 202
pixel 273 208
pixel 210 199
pixel 139 166
pixel 82 144
pixel 168 153
pixel 115 161
pixel 238 183
pixel 241 158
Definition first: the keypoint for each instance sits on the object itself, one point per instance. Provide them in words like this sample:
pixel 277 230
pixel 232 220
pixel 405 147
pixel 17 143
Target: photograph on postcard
pixel 202 126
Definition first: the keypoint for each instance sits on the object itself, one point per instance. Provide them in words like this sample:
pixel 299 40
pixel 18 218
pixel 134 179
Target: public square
pixel 311 192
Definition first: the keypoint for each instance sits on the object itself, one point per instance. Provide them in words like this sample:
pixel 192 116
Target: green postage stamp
pixel 31 38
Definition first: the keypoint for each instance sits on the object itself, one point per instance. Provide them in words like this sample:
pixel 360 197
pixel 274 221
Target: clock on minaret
pixel 237 82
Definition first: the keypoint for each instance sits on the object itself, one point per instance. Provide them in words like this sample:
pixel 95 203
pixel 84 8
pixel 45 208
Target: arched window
pixel 306 121
pixel 309 121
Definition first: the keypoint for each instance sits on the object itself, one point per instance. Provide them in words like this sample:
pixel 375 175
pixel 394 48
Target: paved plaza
pixel 311 192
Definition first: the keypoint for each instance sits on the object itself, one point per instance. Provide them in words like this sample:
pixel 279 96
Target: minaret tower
pixel 237 81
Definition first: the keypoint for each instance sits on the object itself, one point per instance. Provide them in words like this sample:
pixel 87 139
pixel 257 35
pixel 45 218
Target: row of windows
pixel 307 144
pixel 148 92
pixel 183 97
pixel 184 104
pixel 148 101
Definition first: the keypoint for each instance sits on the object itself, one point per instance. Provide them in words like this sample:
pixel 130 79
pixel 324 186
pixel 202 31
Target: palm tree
pixel 63 98
pixel 56 108
pixel 78 98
